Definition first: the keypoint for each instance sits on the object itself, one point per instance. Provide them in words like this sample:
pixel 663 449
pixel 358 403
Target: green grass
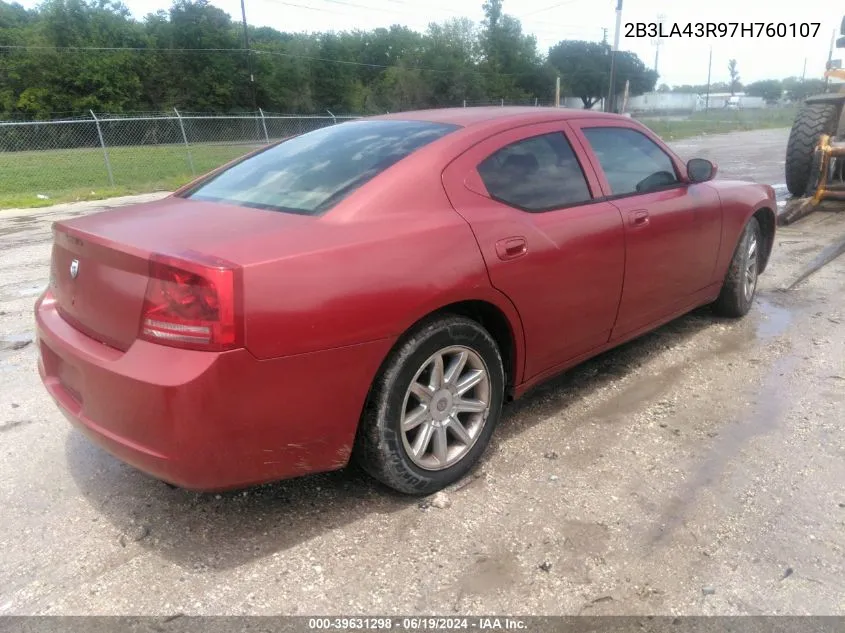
pixel 80 174
pixel 720 122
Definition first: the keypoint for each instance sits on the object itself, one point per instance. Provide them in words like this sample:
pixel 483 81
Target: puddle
pixel 782 196
pixel 771 403
pixel 781 192
pixel 641 391
pixel 775 320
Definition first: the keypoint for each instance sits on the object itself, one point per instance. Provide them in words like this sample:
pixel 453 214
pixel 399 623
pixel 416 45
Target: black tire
pixel 379 447
pixel 734 301
pixel 813 120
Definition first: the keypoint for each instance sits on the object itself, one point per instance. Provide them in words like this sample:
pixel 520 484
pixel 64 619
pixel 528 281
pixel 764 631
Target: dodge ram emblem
pixel 74 269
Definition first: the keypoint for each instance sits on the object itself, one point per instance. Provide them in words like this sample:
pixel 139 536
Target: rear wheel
pixel 433 408
pixel 740 284
pixel 813 120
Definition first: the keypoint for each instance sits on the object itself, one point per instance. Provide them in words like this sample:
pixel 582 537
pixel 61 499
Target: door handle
pixel 639 218
pixel 511 248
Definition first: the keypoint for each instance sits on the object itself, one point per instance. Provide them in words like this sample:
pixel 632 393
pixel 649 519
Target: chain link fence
pixel 503 103
pixel 42 162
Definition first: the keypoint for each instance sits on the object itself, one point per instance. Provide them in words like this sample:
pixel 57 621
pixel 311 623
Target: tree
pixel 630 68
pixel 92 54
pixel 797 90
pixel 664 88
pixel 509 58
pixel 735 85
pixel 452 51
pixel 769 89
pixel 584 68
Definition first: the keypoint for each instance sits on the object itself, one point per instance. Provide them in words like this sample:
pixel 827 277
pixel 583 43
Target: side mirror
pixel 701 170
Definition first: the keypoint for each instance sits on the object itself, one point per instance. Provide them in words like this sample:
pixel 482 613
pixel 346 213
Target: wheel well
pixel 496 323
pixel 766 219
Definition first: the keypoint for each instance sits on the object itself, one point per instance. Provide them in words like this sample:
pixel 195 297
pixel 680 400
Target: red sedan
pixel 377 289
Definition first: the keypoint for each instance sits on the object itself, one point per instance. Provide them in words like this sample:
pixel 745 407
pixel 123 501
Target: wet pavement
pixel 697 470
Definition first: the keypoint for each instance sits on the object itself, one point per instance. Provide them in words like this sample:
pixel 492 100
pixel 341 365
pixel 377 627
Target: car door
pixel 550 243
pixel 672 227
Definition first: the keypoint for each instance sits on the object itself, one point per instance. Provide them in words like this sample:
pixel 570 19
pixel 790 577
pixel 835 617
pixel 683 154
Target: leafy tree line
pixel 69 56
pixel 772 90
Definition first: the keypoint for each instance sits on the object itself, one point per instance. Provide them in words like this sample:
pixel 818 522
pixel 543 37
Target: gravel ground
pixel 697 470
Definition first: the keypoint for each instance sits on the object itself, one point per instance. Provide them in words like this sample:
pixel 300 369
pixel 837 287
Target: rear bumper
pixel 207 421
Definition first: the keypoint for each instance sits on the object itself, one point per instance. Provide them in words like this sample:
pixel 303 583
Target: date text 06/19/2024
pixel 722 29
pixel 417 623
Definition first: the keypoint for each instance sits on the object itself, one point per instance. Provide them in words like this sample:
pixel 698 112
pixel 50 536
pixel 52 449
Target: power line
pixel 363 6
pixel 343 2
pixel 368 65
pixel 302 6
pixel 551 6
pixel 244 51
pixel 143 49
pixel 547 27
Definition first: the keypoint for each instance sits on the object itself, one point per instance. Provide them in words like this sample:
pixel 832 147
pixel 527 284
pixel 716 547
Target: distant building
pixel 668 103
pixel 665 103
pixel 677 103
pixel 737 101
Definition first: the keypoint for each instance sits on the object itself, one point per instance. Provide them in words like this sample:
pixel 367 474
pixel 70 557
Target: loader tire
pixel 813 120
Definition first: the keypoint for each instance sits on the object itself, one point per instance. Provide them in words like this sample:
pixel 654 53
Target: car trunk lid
pixel 99 289
pixel 101 263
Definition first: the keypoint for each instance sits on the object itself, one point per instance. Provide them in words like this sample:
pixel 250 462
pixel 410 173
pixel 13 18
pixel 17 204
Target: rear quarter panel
pixel 358 278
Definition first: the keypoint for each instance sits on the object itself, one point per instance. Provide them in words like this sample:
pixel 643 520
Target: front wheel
pixel 433 408
pixel 740 283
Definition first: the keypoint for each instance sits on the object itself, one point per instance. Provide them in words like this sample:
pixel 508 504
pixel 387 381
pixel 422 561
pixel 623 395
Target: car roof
pixel 474 116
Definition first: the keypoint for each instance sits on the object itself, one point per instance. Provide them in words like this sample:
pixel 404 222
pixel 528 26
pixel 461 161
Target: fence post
pixel 264 125
pixel 334 120
pixel 185 139
pixel 103 145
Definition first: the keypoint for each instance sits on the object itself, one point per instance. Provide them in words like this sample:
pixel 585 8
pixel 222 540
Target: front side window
pixel 309 174
pixel 632 162
pixel 536 174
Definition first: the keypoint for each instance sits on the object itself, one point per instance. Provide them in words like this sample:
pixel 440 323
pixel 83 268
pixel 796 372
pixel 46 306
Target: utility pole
pixel 658 42
pixel 557 92
pixel 248 58
pixel 625 97
pixel 830 56
pixel 604 38
pixel 610 90
pixel 709 68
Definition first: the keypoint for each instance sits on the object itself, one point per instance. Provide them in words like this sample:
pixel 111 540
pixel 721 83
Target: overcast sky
pixel 681 60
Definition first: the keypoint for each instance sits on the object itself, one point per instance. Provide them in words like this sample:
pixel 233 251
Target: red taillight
pixel 192 305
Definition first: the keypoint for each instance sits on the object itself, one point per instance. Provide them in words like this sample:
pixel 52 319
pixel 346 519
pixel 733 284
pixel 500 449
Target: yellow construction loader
pixel 815 152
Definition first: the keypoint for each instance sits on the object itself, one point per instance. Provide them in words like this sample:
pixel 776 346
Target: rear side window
pixel 536 174
pixel 311 173
pixel 631 162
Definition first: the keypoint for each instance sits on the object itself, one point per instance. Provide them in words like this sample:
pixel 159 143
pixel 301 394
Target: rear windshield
pixel 309 174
